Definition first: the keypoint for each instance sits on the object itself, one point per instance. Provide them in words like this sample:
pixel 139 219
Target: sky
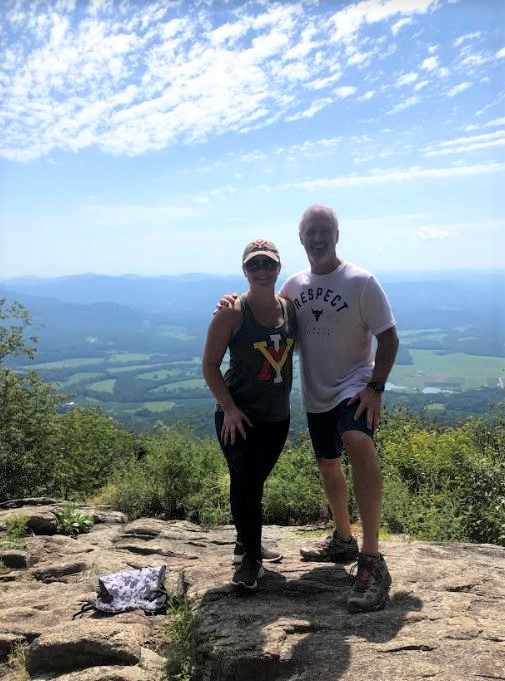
pixel 157 138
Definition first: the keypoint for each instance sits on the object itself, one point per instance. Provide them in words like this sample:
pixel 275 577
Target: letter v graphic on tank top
pixel 275 356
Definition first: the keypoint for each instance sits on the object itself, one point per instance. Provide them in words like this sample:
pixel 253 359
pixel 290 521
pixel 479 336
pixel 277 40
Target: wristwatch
pixel 378 386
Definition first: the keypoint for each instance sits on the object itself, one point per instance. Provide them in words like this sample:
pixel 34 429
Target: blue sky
pixel 160 137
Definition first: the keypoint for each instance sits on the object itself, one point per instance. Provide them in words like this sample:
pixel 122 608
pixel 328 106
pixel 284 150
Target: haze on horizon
pixel 158 138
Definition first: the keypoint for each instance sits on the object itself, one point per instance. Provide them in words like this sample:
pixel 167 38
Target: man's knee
pixel 330 468
pixel 358 443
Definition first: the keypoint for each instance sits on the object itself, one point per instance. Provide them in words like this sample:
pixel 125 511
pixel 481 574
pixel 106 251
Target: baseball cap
pixel 260 247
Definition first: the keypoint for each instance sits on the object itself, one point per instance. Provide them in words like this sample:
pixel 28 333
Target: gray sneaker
pixel 332 549
pixel 267 555
pixel 247 574
pixel 371 584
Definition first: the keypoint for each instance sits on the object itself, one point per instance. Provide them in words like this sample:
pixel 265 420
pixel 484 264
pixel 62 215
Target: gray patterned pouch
pixel 130 590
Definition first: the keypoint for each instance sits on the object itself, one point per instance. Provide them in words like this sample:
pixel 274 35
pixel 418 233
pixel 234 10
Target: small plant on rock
pixel 15 533
pixel 73 522
pixel 17 663
pixel 179 627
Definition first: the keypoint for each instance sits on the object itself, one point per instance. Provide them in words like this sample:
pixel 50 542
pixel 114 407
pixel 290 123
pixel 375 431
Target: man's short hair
pixel 319 210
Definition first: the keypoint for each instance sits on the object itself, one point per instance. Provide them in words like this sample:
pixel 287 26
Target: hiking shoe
pixel 247 573
pixel 267 556
pixel 371 584
pixel 332 549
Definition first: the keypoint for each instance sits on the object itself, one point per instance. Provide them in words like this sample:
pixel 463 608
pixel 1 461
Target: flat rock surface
pixel 444 619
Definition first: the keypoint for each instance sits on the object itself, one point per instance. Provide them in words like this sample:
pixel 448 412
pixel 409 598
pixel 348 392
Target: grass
pixel 159 374
pixel 136 367
pixel 16 530
pixel 106 386
pixel 178 332
pixel 473 371
pixel 189 383
pixel 17 663
pixel 65 363
pixel 80 376
pixel 121 357
pixel 179 627
pixel 159 406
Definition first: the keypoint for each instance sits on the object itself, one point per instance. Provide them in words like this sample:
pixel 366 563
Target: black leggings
pixel 250 462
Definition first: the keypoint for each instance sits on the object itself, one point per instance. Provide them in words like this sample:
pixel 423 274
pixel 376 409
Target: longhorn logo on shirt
pixel 275 356
pixel 316 313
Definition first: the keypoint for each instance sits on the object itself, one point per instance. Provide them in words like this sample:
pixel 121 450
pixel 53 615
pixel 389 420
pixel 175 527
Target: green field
pixel 129 357
pixel 66 363
pixel 431 369
pixel 170 387
pixel 160 374
pixel 133 367
pixel 80 376
pixel 106 386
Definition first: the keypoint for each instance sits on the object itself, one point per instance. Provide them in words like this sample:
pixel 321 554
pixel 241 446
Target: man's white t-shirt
pixel 337 315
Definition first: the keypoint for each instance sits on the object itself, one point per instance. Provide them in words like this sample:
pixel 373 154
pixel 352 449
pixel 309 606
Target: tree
pixel 13 341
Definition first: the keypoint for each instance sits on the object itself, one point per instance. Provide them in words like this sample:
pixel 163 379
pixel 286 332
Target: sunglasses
pixel 256 264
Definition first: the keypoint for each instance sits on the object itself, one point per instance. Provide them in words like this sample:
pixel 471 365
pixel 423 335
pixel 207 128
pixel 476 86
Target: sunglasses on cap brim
pixel 255 264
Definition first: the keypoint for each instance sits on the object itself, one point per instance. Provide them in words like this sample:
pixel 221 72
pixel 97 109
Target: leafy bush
pixel 71 521
pixel 180 662
pixel 180 476
pixel 444 483
pixel 29 435
pixel 293 492
pixel 15 532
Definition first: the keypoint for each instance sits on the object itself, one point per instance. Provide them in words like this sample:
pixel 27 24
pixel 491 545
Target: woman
pixel 252 413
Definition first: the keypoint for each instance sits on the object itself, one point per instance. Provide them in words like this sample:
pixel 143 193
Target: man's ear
pixel 300 237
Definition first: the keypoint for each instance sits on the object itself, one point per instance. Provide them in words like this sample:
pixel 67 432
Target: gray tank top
pixel 261 365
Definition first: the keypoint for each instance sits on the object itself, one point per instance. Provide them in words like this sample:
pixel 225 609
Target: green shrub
pixel 444 483
pixel 71 521
pixel 293 492
pixel 15 532
pixel 180 662
pixel 180 476
pixel 29 435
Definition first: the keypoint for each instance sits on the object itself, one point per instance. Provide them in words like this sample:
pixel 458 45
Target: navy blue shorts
pixel 326 428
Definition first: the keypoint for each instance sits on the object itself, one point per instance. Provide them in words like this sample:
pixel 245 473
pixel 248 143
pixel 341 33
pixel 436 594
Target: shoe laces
pixel 361 572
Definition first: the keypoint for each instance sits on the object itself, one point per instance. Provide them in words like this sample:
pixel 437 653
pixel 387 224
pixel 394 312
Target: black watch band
pixel 378 386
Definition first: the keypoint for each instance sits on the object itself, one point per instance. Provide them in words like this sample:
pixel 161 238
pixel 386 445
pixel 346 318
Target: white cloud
pixel 348 21
pixel 397 26
pixel 422 84
pixel 466 144
pixel 367 96
pixel 129 78
pixel 312 110
pixel 431 234
pixel 404 104
pixel 495 122
pixel 406 79
pixel 467 36
pixel 474 60
pixel 345 91
pixel 457 89
pixel 430 63
pixel 501 53
pixel 401 175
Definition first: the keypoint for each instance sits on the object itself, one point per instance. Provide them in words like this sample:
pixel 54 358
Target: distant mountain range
pixel 70 309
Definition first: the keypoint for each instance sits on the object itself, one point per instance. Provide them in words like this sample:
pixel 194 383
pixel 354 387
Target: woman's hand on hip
pixel 234 419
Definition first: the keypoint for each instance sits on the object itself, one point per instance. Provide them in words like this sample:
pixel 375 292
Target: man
pixel 338 308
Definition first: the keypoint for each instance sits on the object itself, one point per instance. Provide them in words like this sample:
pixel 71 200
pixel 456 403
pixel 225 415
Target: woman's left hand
pixel 234 419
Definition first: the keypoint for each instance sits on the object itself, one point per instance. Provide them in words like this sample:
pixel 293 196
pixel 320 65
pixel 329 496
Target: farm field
pixel 140 385
pixel 452 371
